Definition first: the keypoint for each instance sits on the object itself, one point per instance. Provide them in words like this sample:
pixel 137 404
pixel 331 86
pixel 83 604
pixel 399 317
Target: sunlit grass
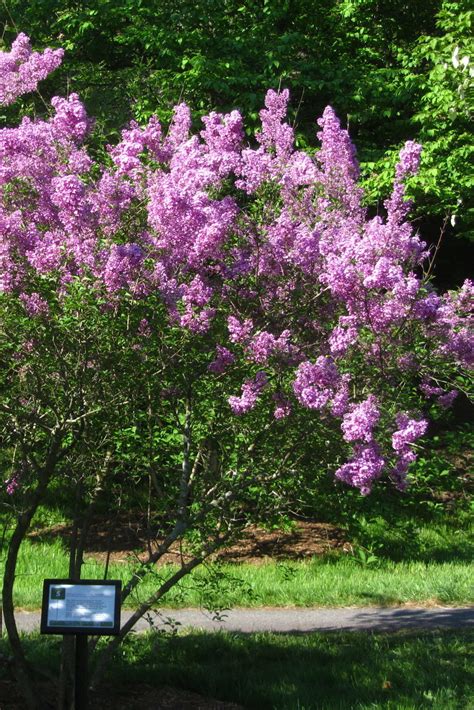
pixel 337 580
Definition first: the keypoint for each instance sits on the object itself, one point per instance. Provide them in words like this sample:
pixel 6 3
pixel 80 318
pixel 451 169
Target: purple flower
pixel 265 344
pixel 224 358
pixel 363 469
pixel 409 430
pixel 21 69
pixel 251 389
pixel 397 207
pixel 144 329
pixel 12 484
pixel 446 400
pixel 282 406
pixel 341 340
pixel 34 304
pixel 275 133
pixel 340 401
pixel 239 331
pixel 316 383
pixel 361 419
pixel 122 266
pixel 430 390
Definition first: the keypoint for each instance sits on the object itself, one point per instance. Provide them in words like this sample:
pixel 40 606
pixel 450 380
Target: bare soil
pixel 129 539
pixel 307 539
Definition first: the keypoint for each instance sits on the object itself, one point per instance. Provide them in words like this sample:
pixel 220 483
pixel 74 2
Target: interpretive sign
pixel 86 606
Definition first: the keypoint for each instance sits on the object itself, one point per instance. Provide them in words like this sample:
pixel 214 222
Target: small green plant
pixel 363 557
pixel 169 625
pixel 288 572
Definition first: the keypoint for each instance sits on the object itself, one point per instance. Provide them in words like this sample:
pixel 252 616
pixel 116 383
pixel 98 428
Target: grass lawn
pixel 314 671
pixel 333 671
pixel 335 580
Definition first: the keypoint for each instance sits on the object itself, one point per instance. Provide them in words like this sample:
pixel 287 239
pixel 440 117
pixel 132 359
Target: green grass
pixel 337 580
pixel 332 671
pixel 312 671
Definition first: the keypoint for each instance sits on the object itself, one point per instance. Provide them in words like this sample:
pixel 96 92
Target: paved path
pixel 299 619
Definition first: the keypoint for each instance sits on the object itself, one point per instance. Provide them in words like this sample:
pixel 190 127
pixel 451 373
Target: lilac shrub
pixel 263 253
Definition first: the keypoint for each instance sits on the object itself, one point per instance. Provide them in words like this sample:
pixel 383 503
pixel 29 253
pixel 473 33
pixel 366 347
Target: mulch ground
pixel 304 541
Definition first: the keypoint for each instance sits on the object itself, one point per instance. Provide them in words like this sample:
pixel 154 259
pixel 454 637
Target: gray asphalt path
pixel 286 620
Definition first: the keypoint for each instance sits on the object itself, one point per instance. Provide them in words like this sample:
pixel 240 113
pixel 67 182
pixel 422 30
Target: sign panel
pixel 86 606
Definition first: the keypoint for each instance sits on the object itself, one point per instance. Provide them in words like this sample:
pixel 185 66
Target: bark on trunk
pixel 22 669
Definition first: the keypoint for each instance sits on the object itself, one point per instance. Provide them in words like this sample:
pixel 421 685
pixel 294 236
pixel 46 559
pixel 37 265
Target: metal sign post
pixel 86 607
pixel 81 674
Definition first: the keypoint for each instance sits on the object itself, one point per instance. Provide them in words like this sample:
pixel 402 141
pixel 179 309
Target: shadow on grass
pixel 332 670
pixel 312 670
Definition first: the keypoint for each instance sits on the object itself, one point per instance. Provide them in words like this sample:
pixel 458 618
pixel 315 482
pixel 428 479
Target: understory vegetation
pixel 412 549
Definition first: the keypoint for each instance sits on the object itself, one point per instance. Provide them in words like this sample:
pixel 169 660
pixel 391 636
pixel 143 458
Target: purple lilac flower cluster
pixel 12 484
pixel 223 359
pixel 409 430
pixel 316 384
pixel 363 469
pixel 21 69
pixel 359 422
pixel 251 389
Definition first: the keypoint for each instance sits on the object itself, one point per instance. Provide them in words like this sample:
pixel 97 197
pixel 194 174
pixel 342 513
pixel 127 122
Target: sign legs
pixel 81 674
